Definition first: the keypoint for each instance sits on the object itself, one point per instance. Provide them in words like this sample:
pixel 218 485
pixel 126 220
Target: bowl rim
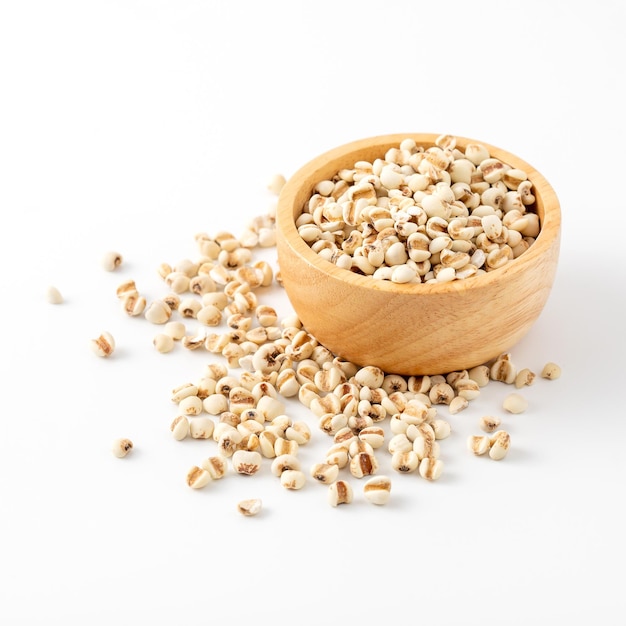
pixel 548 208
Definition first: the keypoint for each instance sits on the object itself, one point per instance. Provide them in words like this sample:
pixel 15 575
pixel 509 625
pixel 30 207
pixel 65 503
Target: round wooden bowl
pixel 413 329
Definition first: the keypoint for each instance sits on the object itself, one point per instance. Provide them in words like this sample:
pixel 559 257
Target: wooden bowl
pixel 413 329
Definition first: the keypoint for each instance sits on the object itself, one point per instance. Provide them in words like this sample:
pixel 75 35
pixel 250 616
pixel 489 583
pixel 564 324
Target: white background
pixel 133 125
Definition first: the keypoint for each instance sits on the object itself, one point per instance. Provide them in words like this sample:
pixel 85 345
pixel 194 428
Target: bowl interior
pixel 300 187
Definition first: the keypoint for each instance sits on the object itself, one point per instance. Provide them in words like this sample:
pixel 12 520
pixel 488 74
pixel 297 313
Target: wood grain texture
pixel 422 328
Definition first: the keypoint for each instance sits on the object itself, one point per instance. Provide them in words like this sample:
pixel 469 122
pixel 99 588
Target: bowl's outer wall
pixel 413 329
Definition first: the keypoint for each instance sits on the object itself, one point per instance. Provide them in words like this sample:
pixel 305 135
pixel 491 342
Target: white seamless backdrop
pixel 135 125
